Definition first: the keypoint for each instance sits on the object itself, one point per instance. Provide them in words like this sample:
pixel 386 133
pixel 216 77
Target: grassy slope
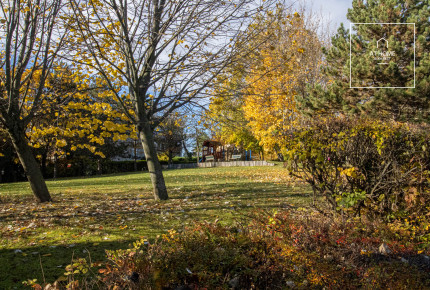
pixel 89 215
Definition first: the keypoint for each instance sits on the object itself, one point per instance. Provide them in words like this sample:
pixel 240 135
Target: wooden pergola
pixel 209 150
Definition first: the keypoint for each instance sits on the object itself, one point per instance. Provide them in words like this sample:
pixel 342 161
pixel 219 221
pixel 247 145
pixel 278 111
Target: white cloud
pixel 334 10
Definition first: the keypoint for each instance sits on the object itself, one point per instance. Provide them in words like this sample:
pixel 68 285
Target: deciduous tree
pixel 170 136
pixel 258 94
pixel 226 116
pixel 30 41
pixel 162 53
pixel 76 113
pixel 280 72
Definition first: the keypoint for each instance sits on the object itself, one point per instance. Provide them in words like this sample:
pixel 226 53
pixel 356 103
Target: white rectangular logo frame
pixel 350 59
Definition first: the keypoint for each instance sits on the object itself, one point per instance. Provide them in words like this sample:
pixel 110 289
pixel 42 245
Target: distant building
pixel 134 151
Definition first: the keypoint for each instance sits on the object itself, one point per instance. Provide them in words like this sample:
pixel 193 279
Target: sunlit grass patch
pixel 112 211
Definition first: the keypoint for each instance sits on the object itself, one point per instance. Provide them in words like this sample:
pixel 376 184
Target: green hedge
pixel 85 166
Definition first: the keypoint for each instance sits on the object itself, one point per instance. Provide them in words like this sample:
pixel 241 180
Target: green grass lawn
pixel 89 215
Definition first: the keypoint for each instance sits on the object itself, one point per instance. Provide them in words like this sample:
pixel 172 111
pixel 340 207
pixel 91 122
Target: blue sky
pixel 335 10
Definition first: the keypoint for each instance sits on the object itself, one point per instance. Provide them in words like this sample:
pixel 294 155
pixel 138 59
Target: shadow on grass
pixel 99 176
pixel 241 190
pixel 195 195
pixel 142 179
pixel 19 265
pixel 207 196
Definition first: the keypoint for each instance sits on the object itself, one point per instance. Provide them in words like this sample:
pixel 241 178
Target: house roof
pixel 209 143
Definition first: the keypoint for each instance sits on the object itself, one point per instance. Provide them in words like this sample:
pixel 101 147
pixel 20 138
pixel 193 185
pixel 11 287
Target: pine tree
pixel 372 65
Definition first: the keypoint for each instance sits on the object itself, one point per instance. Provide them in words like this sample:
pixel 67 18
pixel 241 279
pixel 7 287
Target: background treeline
pixel 365 150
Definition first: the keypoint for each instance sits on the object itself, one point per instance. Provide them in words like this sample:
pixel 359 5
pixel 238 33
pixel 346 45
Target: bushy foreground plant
pixel 301 249
pixel 361 166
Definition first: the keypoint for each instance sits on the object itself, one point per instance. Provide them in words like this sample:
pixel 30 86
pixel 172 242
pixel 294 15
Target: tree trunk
pixel 99 167
pixel 55 165
pixel 43 163
pixel 154 166
pixel 31 167
pixel 197 147
pixel 135 155
pixel 186 150
pixel 170 157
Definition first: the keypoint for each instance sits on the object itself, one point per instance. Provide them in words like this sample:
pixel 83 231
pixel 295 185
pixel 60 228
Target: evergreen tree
pixel 381 57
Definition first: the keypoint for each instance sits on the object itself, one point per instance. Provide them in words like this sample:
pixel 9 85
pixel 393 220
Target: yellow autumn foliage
pixel 278 74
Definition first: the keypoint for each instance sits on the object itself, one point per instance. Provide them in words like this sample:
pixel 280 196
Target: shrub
pixel 381 169
pixel 109 167
pixel 268 251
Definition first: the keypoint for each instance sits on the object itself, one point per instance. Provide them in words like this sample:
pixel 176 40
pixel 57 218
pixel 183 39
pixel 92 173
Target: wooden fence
pixel 235 163
pixel 218 164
